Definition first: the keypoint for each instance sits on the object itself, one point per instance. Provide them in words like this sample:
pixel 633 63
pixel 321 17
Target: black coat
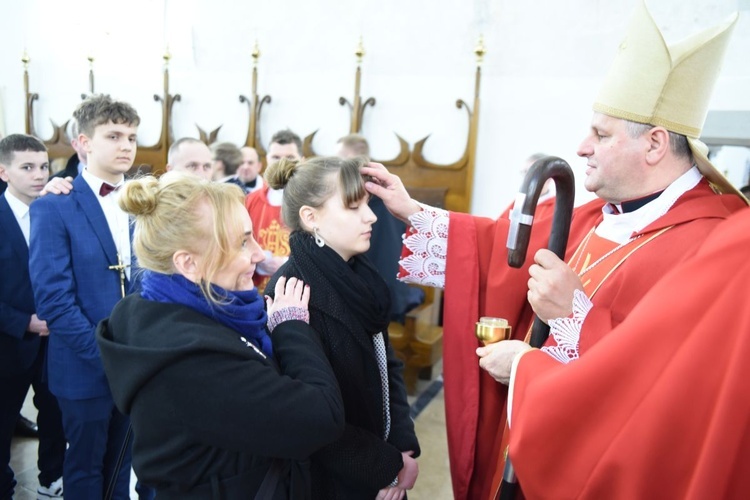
pixel 360 463
pixel 208 410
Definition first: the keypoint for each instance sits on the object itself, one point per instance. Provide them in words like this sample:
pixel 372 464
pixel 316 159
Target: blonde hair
pixel 168 218
pixel 311 182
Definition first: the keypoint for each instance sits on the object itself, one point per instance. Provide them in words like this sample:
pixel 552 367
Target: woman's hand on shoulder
pixel 290 292
pixel 291 297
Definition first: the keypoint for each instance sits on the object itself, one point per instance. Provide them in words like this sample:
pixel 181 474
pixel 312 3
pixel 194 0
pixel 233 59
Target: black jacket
pixel 71 168
pixel 360 463
pixel 208 411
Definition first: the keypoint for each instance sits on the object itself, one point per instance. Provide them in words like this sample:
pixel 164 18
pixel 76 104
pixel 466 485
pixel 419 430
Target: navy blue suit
pixel 71 248
pixel 22 359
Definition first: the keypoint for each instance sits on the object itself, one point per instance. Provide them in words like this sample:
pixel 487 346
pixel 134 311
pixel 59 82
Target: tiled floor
pixel 433 482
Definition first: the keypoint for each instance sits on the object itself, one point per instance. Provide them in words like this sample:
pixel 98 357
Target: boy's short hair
pixel 229 154
pixel 100 109
pixel 287 137
pixel 16 143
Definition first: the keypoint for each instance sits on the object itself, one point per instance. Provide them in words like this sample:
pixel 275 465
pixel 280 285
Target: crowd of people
pixel 225 332
pixel 182 253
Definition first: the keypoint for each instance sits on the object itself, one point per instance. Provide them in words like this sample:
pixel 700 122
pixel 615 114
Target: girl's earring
pixel 318 239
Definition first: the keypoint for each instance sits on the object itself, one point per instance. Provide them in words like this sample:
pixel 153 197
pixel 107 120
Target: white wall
pixel 543 67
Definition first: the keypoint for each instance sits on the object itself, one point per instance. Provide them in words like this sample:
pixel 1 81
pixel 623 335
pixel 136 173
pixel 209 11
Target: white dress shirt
pixel 117 218
pixel 21 211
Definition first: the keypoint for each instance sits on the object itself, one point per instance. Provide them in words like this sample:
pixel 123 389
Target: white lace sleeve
pixel 567 331
pixel 428 244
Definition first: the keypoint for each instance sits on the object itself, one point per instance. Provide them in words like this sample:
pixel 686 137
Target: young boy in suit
pixel 80 247
pixel 23 336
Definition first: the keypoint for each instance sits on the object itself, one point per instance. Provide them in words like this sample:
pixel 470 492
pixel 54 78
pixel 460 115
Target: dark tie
pixel 106 189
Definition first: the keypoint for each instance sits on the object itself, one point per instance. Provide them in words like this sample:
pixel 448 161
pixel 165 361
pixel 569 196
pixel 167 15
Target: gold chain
pixel 603 257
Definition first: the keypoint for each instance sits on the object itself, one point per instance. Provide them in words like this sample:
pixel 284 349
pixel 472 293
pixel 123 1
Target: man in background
pixel 77 162
pixel 192 156
pixel 264 207
pixel 248 173
pixel 226 159
pixel 546 203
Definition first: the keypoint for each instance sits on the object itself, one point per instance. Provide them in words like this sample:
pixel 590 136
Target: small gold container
pixel 490 330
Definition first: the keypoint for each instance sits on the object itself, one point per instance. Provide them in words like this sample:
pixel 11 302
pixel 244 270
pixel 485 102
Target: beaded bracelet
pixel 287 314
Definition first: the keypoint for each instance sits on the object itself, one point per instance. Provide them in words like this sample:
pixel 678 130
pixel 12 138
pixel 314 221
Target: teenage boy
pixel 80 247
pixel 24 166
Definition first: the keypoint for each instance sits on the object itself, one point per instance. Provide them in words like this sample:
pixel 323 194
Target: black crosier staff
pixel 522 217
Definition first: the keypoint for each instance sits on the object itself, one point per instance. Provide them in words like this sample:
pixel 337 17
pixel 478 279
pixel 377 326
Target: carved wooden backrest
pixel 148 158
pixel 416 172
pixel 414 169
pixel 433 196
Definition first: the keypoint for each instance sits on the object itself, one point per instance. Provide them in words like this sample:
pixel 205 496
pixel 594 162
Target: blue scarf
pixel 243 312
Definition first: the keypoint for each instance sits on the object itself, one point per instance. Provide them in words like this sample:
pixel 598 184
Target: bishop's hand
pixel 389 188
pixel 497 359
pixel 551 286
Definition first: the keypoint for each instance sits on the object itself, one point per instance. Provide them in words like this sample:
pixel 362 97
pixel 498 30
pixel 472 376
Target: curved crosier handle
pixel 522 215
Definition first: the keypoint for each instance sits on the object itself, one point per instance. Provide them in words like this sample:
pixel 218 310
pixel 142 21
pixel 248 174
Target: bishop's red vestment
pixel 659 408
pixel 479 283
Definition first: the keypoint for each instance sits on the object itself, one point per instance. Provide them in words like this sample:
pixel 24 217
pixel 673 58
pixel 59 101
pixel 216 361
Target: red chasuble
pixel 268 229
pixel 657 409
pixel 479 282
